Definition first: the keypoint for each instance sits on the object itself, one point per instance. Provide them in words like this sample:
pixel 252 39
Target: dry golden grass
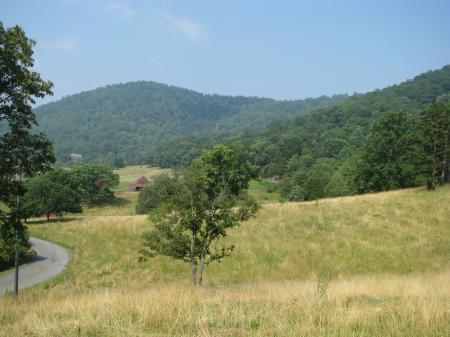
pixel 417 305
pixel 393 232
pixel 372 265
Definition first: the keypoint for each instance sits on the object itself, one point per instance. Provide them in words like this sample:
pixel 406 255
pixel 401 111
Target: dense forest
pixel 127 123
pixel 317 154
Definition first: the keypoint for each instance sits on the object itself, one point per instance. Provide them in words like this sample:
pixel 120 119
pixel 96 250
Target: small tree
pixel 55 192
pixel 434 128
pixel 203 209
pixel 95 183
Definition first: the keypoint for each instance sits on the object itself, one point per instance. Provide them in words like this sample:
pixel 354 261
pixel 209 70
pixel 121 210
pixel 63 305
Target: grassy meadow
pixel 371 265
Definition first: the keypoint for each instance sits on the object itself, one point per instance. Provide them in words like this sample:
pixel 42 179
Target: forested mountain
pixel 328 132
pixel 127 123
pixel 316 154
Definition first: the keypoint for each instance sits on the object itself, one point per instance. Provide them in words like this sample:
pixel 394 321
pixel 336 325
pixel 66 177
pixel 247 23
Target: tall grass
pixel 394 232
pixel 363 306
pixel 372 265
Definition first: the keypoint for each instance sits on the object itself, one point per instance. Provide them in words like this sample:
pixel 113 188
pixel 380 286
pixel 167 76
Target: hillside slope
pixel 128 121
pixel 366 234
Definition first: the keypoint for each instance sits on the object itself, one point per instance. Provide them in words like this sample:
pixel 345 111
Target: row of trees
pixel 60 191
pixel 399 151
pixel 403 151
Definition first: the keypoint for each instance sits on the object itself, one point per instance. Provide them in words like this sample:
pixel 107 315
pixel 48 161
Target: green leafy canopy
pixel 204 206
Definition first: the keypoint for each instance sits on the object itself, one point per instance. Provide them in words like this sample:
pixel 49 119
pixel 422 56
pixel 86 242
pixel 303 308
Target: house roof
pixel 141 182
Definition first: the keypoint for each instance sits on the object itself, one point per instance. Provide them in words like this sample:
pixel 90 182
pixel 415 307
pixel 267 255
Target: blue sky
pixel 280 49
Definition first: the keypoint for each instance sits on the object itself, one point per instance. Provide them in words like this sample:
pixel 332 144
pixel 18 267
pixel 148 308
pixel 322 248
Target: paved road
pixel 50 261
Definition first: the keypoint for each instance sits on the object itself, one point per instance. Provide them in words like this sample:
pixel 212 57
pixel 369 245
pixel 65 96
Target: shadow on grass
pixel 116 202
pixel 119 202
pixel 56 219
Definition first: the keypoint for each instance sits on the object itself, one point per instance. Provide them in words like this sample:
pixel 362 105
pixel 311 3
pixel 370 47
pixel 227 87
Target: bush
pixel 7 243
pixel 162 188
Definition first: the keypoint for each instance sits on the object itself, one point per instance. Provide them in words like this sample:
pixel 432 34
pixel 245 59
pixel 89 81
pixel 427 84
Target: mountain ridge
pixel 141 114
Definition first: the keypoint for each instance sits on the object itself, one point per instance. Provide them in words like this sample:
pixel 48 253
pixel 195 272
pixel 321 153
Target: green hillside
pixel 324 145
pixel 127 122
pixel 317 154
pixel 333 132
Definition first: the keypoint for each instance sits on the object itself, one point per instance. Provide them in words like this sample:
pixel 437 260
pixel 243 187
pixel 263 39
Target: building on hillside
pixel 139 183
pixel 76 157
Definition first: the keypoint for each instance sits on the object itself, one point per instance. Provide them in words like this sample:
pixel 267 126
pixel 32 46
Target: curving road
pixel 50 261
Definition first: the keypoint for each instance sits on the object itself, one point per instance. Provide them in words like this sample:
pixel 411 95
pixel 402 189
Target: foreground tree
pixel 22 153
pixel 55 192
pixel 95 183
pixel 434 128
pixel 204 207
pixel 390 156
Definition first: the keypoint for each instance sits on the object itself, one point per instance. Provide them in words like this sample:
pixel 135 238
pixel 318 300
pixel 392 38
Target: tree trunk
pixel 200 273
pixel 194 272
pixel 48 216
pixel 432 183
pixel 446 173
pixel 193 262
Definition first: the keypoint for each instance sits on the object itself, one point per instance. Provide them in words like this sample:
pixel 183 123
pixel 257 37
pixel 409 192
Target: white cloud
pixel 187 27
pixel 120 9
pixel 64 45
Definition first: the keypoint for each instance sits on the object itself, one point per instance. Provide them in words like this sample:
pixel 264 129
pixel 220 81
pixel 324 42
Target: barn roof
pixel 141 182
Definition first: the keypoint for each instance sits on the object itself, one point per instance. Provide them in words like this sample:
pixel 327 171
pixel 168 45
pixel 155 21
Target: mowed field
pixel 371 265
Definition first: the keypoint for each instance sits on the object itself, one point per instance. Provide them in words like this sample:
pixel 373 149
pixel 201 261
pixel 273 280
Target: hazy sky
pixel 280 49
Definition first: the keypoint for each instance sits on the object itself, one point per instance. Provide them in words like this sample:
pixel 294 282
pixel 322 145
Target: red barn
pixel 138 184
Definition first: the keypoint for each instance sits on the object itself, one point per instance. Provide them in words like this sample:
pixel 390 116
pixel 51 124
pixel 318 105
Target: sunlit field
pixel 126 200
pixel 371 265
pixel 398 232
pixel 384 305
pixel 130 173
